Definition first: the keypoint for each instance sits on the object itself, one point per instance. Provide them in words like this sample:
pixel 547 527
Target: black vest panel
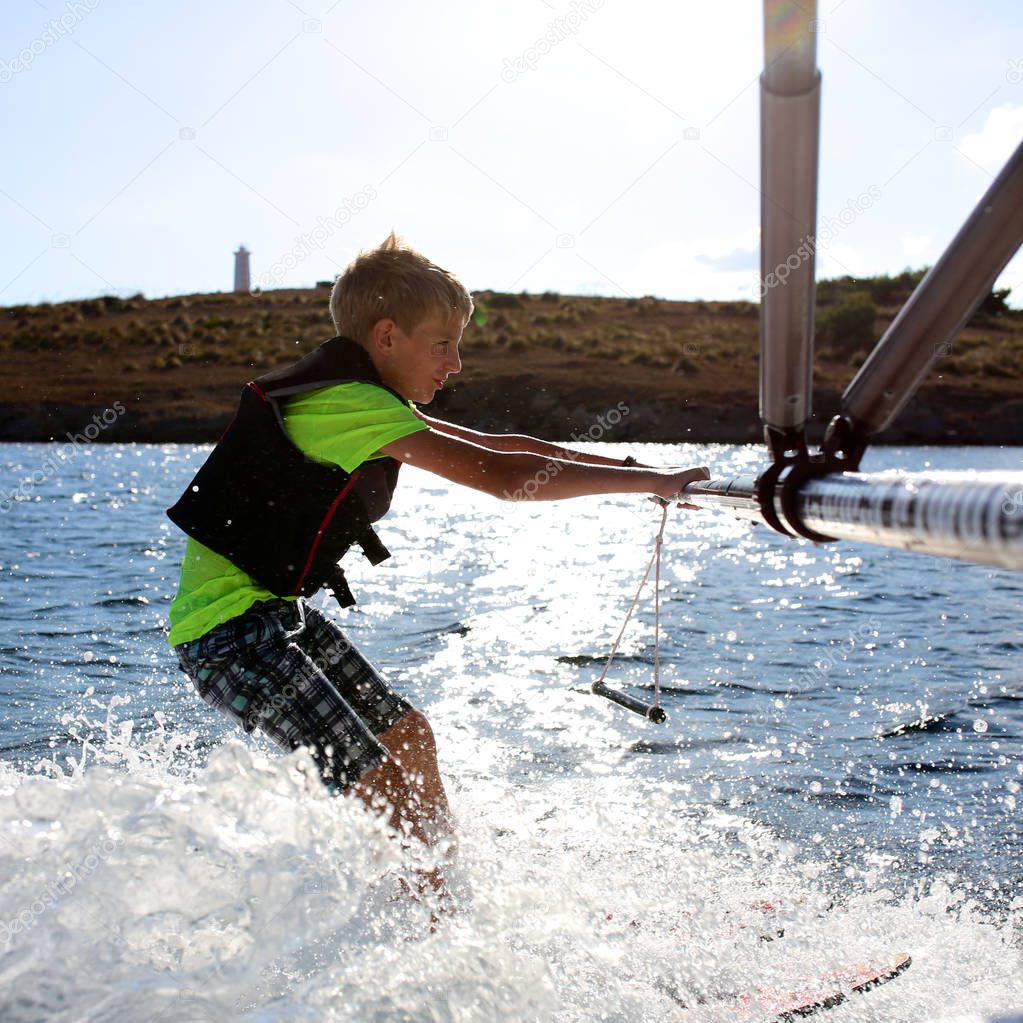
pixel 281 517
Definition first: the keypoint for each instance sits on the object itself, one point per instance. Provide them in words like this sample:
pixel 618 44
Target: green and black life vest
pixel 276 514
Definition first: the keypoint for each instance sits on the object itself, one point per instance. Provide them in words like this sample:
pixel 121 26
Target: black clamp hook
pixel 777 488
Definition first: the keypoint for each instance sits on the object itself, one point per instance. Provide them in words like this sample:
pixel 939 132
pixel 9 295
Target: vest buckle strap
pixel 373 547
pixel 338 586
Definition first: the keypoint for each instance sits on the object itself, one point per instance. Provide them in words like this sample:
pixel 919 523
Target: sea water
pixel 842 762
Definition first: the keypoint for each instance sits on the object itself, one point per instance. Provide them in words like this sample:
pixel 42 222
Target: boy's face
pixel 416 364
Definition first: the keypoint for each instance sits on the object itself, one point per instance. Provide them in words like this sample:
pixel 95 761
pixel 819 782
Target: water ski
pixel 775 1004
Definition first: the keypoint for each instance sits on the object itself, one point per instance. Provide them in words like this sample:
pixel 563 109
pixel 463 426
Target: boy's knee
pixel 412 733
pixel 420 726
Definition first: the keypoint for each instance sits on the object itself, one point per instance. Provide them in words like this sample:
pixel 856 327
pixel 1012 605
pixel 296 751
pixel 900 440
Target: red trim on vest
pixel 323 525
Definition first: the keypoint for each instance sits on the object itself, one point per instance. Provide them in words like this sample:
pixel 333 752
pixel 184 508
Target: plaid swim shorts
pixel 286 669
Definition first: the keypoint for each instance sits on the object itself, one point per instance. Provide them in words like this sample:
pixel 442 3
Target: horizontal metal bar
pixel 736 494
pixel 971 516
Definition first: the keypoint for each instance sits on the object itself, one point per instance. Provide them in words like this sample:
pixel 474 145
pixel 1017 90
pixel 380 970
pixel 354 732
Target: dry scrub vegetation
pixel 191 354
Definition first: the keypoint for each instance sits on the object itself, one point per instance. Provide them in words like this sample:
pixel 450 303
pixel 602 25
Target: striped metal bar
pixel 970 516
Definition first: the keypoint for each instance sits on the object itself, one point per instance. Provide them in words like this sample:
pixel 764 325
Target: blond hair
pixel 395 282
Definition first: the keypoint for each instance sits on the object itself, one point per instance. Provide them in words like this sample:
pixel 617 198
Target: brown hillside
pixel 547 364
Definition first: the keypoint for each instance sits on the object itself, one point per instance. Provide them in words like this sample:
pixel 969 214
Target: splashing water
pixel 241 891
pixel 155 867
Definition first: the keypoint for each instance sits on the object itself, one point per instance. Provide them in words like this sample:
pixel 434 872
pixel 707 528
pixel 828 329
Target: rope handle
pixel 653 712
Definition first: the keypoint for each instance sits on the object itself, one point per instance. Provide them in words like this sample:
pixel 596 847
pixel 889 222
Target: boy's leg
pixel 411 773
pixel 407 787
pixel 303 684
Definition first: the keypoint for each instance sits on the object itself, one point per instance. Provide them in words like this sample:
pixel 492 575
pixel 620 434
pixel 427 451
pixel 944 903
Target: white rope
pixel 655 562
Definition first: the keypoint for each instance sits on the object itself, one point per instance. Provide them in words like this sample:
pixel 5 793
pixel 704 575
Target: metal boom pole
pixel 790 90
pixel 970 516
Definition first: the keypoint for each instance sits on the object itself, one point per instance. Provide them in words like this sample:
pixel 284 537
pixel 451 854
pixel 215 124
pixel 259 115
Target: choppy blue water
pixel 846 731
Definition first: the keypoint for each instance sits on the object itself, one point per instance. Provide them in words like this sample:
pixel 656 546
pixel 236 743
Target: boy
pixel 307 465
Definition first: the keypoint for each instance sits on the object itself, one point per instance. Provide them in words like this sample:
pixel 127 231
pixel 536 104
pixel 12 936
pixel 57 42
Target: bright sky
pixel 582 146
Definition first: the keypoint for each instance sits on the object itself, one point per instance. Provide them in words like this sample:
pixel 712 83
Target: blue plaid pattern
pixel 286 669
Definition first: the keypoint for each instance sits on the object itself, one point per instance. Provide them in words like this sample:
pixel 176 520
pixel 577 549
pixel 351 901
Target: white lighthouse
pixel 241 270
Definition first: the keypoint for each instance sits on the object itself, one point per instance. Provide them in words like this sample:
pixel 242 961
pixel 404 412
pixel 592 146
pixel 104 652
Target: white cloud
pixel 994 143
pixel 918 249
pixel 840 258
pixel 742 258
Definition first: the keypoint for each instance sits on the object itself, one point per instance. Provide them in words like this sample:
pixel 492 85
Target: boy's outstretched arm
pixel 515 442
pixel 525 476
